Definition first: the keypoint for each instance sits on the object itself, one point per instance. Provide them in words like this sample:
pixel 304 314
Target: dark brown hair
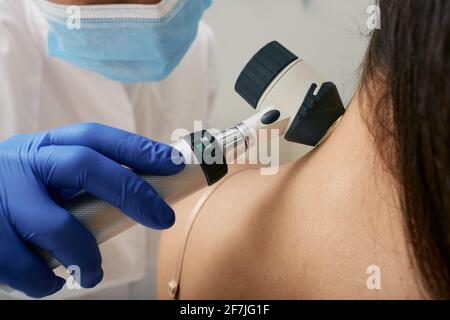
pixel 409 59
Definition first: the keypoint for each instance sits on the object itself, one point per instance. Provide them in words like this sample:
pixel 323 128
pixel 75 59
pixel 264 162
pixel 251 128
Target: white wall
pixel 328 34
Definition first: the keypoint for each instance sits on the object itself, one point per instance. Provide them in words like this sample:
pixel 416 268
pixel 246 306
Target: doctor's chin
pixel 225 159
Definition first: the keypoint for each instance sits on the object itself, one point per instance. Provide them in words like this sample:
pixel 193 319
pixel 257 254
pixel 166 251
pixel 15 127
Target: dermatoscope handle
pixel 105 221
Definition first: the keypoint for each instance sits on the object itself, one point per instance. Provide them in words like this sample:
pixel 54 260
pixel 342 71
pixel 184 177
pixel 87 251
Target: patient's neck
pixel 346 171
pixel 352 148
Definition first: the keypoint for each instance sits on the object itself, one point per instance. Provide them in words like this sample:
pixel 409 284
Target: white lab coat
pixel 38 92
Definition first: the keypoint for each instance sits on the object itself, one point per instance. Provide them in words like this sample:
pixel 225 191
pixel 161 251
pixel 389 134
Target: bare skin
pixel 94 2
pixel 309 232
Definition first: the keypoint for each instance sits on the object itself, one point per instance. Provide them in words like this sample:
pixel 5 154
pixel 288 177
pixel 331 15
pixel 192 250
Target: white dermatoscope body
pixel 287 94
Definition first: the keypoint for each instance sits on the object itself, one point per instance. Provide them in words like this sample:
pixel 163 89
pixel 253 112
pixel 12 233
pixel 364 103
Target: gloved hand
pixel 37 169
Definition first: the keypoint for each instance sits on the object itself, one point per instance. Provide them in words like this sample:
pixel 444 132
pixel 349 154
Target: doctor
pixel 144 66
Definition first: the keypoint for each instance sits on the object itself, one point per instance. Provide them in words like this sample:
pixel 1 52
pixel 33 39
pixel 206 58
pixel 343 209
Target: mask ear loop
pixel 174 284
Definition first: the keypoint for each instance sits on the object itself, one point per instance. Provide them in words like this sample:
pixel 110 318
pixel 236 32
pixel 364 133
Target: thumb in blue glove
pixel 38 168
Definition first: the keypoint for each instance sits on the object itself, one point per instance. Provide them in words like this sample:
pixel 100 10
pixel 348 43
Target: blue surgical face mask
pixel 126 42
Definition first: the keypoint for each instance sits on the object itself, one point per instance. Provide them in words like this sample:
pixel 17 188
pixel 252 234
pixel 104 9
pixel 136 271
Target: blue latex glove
pixel 37 169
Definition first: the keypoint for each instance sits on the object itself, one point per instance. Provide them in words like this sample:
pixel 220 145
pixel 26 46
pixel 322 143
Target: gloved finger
pixel 123 147
pixel 60 195
pixel 61 234
pixel 23 270
pixel 84 168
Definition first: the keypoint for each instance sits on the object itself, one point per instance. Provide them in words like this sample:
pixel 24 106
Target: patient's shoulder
pixel 272 237
pixel 243 241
